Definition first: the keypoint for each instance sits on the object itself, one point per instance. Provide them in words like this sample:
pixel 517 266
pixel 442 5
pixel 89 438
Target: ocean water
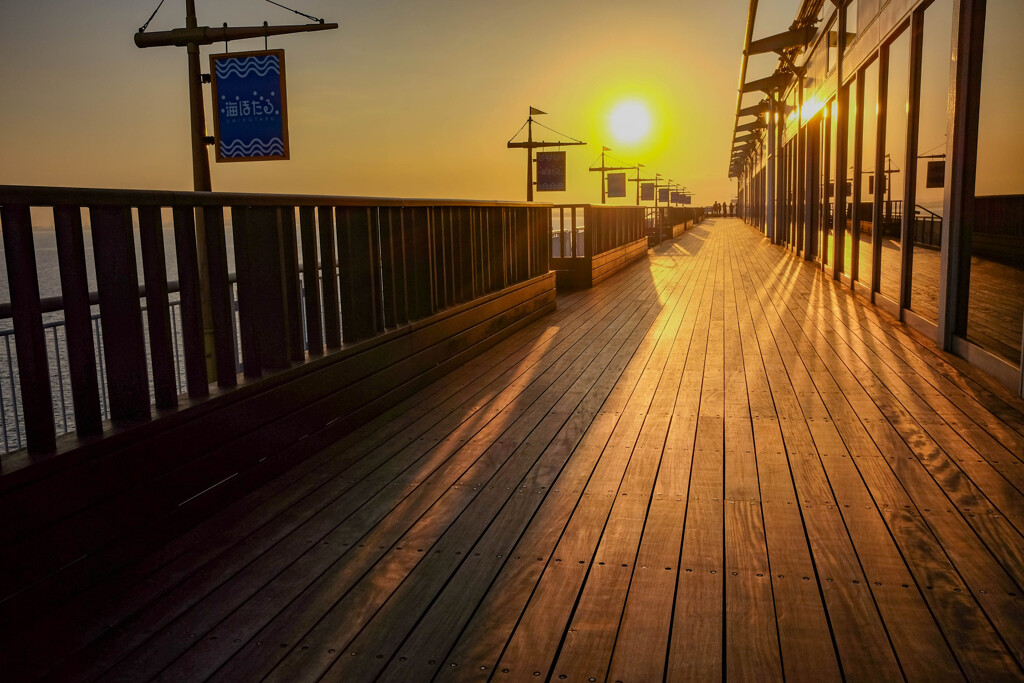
pixel 48 276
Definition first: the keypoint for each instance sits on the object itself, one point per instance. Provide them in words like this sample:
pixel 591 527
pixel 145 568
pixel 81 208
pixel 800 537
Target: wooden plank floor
pixel 714 465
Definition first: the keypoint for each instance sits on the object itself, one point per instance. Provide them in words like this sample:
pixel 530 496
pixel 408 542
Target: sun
pixel 630 121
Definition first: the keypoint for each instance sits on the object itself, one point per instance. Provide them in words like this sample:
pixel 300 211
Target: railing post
pixel 158 311
pixel 85 391
pixel 416 225
pixel 360 284
pixel 311 281
pixel 248 302
pixel 124 346
pixel 290 283
pixel 191 304
pixel 30 340
pixel 221 313
pixel 261 291
pixel 329 266
pixel 392 267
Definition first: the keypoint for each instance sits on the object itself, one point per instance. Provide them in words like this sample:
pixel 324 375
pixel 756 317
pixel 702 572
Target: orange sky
pixel 407 99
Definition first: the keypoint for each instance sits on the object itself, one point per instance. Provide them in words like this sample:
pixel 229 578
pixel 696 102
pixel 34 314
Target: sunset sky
pixel 406 99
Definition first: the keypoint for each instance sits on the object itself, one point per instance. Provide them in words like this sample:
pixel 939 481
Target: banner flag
pixel 250 113
pixel 551 171
pixel 647 192
pixel 616 184
pixel 534 110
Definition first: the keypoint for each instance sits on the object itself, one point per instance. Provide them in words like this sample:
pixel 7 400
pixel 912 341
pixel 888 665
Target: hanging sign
pixel 551 171
pixel 936 173
pixel 663 195
pixel 616 184
pixel 687 198
pixel 250 116
pixel 647 192
pixel 677 198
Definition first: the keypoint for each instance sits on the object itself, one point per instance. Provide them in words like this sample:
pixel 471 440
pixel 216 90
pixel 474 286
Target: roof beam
pixel 797 37
pixel 756 124
pixel 755 110
pixel 776 81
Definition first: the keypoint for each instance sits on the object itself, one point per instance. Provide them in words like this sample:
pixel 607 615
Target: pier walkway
pixel 714 464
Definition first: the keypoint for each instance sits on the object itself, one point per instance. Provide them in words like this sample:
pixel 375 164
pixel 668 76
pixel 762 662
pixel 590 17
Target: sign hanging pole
pixel 529 157
pixel 530 146
pixel 604 192
pixel 604 178
pixel 201 180
pixel 191 38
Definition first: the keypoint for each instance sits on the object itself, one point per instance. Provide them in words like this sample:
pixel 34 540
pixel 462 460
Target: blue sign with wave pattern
pixel 250 115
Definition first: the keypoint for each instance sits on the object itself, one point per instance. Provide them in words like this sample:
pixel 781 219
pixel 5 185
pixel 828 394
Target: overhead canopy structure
pixel 786 44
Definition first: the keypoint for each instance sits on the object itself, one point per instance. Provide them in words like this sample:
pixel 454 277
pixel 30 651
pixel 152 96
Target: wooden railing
pixel 662 223
pixel 386 262
pixel 581 230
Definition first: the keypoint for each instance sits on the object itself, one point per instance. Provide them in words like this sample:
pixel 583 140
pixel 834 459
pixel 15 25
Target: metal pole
pixel 200 159
pixel 529 160
pixel 770 190
pixel 201 181
pixel 603 192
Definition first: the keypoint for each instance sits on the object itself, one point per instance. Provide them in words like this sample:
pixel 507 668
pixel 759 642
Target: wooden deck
pixel 715 464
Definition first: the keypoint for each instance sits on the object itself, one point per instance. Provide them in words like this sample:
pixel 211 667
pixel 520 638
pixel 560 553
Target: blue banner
pixel 251 119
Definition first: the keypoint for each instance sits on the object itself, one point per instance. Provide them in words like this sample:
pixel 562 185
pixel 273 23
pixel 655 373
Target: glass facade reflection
pixel 908 170
pixel 867 122
pixel 929 191
pixel 895 169
pixel 995 309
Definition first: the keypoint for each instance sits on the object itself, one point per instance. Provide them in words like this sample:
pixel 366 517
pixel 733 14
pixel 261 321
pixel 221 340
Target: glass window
pixel 995 312
pixel 833 47
pixel 847 179
pixel 931 152
pixel 866 12
pixel 895 164
pixel 851 23
pixel 816 68
pixel 830 179
pixel 865 200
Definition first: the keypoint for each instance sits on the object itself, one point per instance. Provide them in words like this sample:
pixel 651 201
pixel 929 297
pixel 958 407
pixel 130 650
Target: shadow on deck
pixel 714 464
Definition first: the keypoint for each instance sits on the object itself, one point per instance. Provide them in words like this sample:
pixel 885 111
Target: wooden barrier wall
pixel 406 290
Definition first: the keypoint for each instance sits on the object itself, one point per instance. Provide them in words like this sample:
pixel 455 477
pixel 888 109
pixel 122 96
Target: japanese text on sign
pixel 251 122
